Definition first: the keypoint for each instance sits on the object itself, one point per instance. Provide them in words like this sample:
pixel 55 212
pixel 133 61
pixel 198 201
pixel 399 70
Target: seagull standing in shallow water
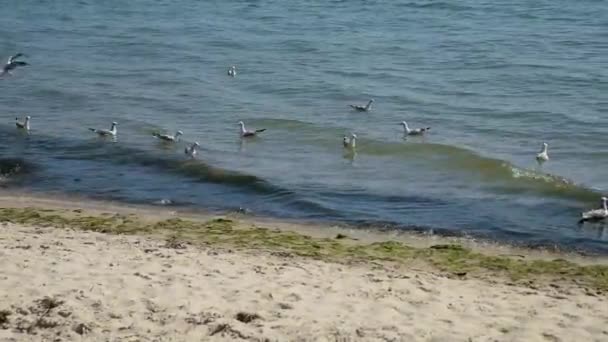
pixel 596 214
pixel 365 108
pixel 12 64
pixel 23 125
pixel 543 156
pixel 191 151
pixel 415 131
pixel 247 134
pixel 232 71
pixel 168 137
pixel 106 132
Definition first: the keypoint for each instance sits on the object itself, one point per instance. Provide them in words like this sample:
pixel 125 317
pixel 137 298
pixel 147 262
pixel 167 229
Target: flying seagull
pixel 543 156
pixel 232 71
pixel 23 125
pixel 191 150
pixel 246 134
pixel 105 132
pixel 168 137
pixel 12 64
pixel 596 214
pixel 415 131
pixel 365 108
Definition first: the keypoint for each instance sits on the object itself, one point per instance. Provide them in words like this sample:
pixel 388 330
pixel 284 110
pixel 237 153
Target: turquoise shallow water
pixel 493 80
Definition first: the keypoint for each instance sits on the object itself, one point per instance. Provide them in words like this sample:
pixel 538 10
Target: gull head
pixel 241 123
pixel 545 145
pixel 28 117
pixel 196 144
pixel 179 133
pixel 403 123
pixel 604 199
pixel 353 135
pixel 114 123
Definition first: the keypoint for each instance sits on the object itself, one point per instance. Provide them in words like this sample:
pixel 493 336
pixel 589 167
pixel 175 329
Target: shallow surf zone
pixel 425 156
pixel 410 184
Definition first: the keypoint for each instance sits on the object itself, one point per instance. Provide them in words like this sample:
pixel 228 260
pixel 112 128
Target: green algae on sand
pixel 450 258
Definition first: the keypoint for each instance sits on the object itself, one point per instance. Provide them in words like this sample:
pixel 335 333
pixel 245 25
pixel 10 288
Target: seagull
pixel 415 131
pixel 191 150
pixel 105 132
pixel 12 64
pixel 246 134
pixel 23 125
pixel 232 71
pixel 168 137
pixel 542 156
pixel 345 141
pixel 365 108
pixel 350 143
pixel 596 214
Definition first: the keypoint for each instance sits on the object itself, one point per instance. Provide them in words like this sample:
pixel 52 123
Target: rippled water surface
pixel 494 79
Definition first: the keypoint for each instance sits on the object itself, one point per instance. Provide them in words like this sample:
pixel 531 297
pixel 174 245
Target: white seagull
pixel 246 134
pixel 12 64
pixel 23 125
pixel 191 151
pixel 168 137
pixel 350 143
pixel 105 132
pixel 596 214
pixel 365 108
pixel 415 131
pixel 543 156
pixel 232 71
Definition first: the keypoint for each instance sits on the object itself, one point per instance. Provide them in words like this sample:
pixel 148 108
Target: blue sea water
pixel 494 79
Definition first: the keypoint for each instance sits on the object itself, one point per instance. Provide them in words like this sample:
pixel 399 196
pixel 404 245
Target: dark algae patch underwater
pixel 450 258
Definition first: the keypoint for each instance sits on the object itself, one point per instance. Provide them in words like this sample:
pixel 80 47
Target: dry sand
pixel 134 288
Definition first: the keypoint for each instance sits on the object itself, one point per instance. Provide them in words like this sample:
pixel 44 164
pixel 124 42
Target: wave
pixel 67 149
pixel 436 5
pixel 194 169
pixel 497 175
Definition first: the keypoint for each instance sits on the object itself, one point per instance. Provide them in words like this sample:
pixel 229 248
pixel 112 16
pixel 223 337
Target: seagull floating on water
pixel 596 214
pixel 191 150
pixel 105 132
pixel 232 71
pixel 23 125
pixel 415 131
pixel 12 64
pixel 350 143
pixel 543 156
pixel 345 141
pixel 246 134
pixel 168 137
pixel 365 108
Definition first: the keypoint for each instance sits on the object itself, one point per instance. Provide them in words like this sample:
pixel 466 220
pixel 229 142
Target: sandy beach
pixel 64 284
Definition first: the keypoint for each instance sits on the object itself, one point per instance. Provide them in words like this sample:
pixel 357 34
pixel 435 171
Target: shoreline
pixel 314 228
pixel 120 218
pixel 94 270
